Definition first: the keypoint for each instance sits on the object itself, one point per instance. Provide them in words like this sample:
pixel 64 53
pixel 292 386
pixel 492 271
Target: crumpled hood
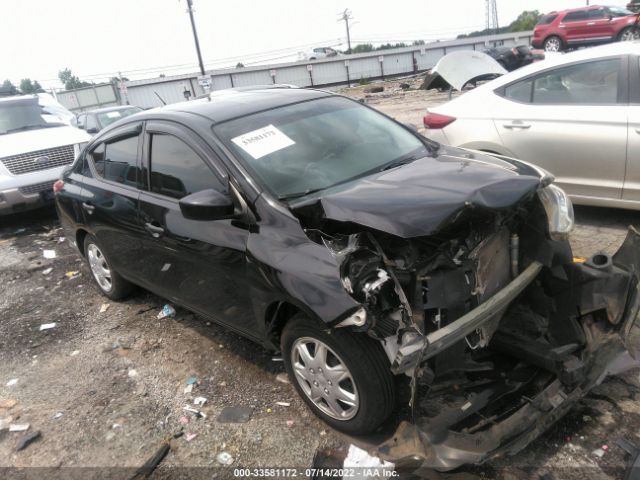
pixel 417 199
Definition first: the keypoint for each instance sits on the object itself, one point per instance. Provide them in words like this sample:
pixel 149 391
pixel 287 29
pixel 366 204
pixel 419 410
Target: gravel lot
pixel 106 387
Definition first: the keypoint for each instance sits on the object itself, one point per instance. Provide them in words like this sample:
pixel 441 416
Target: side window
pixel 590 83
pixel 82 167
pixel 92 123
pixel 116 161
pixel 596 14
pixel 519 92
pixel 578 16
pixel 177 170
pixel 82 120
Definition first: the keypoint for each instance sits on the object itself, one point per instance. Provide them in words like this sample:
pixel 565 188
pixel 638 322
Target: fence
pixel 95 96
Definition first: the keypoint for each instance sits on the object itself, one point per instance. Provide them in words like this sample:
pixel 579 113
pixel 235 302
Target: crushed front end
pixel 497 327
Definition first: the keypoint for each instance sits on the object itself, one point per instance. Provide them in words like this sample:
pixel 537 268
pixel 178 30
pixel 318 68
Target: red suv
pixel 558 31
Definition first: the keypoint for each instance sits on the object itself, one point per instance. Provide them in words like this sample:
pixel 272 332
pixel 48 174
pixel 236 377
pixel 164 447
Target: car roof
pixel 578 9
pixel 223 105
pixel 13 98
pixel 109 109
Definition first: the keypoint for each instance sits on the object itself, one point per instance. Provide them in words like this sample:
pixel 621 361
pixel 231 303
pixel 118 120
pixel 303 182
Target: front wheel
pixel 553 44
pixel 344 377
pixel 629 34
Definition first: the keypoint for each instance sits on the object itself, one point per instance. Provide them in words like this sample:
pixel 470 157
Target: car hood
pixel 34 140
pixel 420 198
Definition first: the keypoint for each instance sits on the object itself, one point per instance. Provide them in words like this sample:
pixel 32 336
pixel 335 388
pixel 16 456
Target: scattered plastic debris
pixel 235 415
pixel 8 403
pixel 58 415
pixel 183 420
pixel 199 401
pixel 283 404
pixel 289 423
pixel 598 452
pixel 222 384
pixel 282 378
pixel 269 410
pixel 50 254
pixel 223 458
pixel 12 382
pixel 104 307
pixel 188 388
pixel 195 411
pixel 167 312
pixel 27 440
pixel 165 267
pixel 61 239
pixel 47 271
pixel 192 380
pixel 358 458
pixel 19 427
pixel 605 447
pixel 47 326
pixel 72 274
pixel 190 436
pixel 74 353
pixel 132 373
pixel 277 359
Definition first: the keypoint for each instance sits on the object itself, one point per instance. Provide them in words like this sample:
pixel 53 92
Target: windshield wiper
pixel 33 127
pixel 290 196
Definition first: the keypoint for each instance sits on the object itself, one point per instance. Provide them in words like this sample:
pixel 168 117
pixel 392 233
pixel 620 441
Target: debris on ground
pixel 27 440
pixel 188 389
pixel 47 326
pixel 193 380
pixel 183 420
pixel 49 254
pixel 132 373
pixel 190 436
pixel 224 458
pixel 358 458
pixel 8 403
pixel 58 415
pixel 150 465
pixel 282 378
pixel 374 89
pixel 289 423
pixel 104 307
pixel 277 359
pixel 72 274
pixel 167 312
pixel 598 452
pixel 47 271
pixel 283 404
pixel 19 427
pixel 236 414
pixel 74 353
pixel 199 401
pixel 195 411
pixel 12 382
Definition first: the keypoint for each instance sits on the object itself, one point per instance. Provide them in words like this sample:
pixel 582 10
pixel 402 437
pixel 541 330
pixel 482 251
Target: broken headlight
pixel 559 211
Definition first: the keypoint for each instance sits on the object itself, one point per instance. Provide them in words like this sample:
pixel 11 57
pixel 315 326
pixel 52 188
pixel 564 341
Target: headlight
pixel 559 211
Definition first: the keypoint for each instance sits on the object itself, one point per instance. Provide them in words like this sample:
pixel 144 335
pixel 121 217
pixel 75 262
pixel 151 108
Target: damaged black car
pixel 405 283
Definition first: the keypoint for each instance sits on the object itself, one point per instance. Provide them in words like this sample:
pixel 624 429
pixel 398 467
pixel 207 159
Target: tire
pixel 552 44
pixel 367 375
pixel 628 34
pixel 108 281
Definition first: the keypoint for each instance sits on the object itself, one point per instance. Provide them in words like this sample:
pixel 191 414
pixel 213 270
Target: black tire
pixel 553 40
pixel 119 288
pixel 631 32
pixel 366 362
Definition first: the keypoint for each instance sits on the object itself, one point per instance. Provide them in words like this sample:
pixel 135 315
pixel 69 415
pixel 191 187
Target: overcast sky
pixel 143 38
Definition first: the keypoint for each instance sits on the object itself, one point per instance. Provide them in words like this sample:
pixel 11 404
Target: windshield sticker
pixel 263 141
pixel 113 114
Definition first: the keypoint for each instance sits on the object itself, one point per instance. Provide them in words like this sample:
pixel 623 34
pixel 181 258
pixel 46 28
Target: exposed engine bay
pixel 497 326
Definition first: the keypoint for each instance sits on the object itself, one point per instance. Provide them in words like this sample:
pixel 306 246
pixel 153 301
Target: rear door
pixel 200 264
pixel 575 26
pixel 110 198
pixel 572 121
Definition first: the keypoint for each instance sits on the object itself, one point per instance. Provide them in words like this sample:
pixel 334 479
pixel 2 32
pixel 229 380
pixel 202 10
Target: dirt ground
pixel 106 386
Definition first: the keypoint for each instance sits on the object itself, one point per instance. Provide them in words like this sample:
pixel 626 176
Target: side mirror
pixel 610 16
pixel 207 204
pixel 92 130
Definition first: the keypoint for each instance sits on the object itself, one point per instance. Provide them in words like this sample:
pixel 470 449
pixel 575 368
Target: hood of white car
pixel 33 140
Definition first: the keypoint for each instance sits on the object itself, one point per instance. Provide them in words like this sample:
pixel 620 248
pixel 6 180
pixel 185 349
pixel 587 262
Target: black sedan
pixel 389 270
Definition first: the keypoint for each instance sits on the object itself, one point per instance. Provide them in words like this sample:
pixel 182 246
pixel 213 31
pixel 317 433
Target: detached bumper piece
pixel 561 331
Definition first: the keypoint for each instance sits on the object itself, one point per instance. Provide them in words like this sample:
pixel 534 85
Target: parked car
pixel 318 53
pixel 576 116
pixel 36 143
pixel 383 266
pixel 93 121
pixel 577 27
pixel 512 58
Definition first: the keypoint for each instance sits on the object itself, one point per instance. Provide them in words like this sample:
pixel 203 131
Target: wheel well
pixel 80 236
pixel 276 317
pixel 553 35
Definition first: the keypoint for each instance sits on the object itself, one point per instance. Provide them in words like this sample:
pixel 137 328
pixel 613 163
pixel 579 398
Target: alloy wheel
pixel 324 378
pixel 629 35
pixel 552 45
pixel 99 267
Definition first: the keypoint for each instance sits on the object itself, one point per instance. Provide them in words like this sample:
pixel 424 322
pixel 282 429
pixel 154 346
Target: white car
pixel 576 115
pixel 36 143
pixel 318 53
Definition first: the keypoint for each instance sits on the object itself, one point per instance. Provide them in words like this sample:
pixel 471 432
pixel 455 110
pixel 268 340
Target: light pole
pixel 346 16
pixel 195 35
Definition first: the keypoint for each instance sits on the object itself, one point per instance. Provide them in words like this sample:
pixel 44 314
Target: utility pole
pixel 346 16
pixel 195 35
pixel 492 15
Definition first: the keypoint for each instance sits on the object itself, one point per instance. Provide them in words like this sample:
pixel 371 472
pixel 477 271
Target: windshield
pixel 620 12
pixel 27 114
pixel 107 118
pixel 306 147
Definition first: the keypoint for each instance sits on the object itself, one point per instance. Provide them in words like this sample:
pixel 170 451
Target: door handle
pixel 88 207
pixel 511 126
pixel 154 230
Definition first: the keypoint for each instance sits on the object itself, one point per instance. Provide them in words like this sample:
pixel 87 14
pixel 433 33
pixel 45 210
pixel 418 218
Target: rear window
pixel 547 19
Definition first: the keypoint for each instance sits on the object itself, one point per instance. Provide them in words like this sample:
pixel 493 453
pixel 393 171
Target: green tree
pixel 239 65
pixel 362 48
pixel 525 21
pixel 30 86
pixel 70 81
pixel 8 88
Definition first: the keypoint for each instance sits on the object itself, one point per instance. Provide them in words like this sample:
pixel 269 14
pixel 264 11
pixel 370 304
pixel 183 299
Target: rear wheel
pixel 109 282
pixel 628 34
pixel 553 44
pixel 344 377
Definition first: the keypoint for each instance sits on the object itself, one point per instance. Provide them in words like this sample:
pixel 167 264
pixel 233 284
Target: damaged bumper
pixel 500 411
